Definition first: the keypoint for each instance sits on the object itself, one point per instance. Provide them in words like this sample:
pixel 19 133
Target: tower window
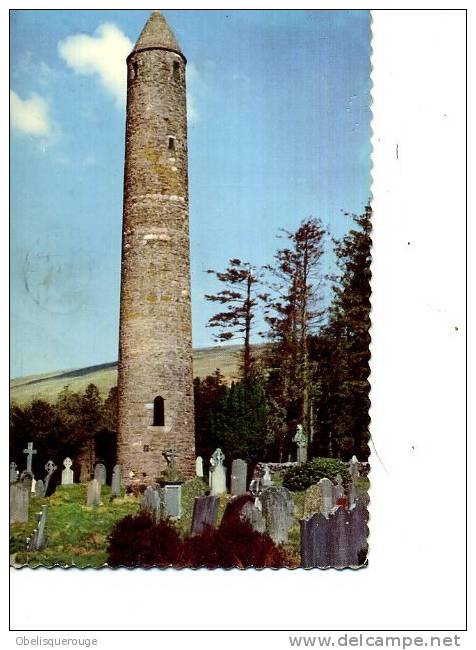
pixel 134 70
pixel 176 71
pixel 171 143
pixel 159 417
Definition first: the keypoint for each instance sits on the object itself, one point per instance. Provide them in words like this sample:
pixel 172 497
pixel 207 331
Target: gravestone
pixel 199 467
pixel 93 497
pixel 312 500
pixel 39 489
pixel 26 479
pixel 205 513
pixel 254 516
pixel 67 473
pixel 19 503
pixel 339 540
pixel 13 472
pixel 29 451
pixel 301 441
pixel 217 473
pixel 266 480
pixel 38 540
pixel 50 478
pixel 172 501
pixel 278 511
pixel 150 503
pixel 116 481
pixel 100 473
pixel 338 489
pixel 33 487
pixel 327 496
pixel 239 470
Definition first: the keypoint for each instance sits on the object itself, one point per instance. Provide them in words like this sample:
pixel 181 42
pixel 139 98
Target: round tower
pixel 155 343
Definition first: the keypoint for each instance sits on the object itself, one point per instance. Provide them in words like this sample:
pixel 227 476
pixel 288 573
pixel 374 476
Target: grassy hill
pixel 48 385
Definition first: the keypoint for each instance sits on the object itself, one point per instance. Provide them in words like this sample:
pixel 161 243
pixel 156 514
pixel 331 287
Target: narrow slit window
pixel 134 70
pixel 159 416
pixel 171 144
pixel 176 71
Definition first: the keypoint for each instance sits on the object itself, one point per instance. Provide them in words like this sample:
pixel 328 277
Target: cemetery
pixel 58 522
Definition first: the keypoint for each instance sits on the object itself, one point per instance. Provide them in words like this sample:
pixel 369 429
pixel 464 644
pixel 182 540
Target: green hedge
pixel 302 476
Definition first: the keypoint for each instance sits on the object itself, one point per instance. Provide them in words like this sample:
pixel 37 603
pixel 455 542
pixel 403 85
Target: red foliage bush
pixel 137 541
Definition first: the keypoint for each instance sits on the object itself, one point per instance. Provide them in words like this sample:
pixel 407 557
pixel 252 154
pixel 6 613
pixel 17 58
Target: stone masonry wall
pixel 155 349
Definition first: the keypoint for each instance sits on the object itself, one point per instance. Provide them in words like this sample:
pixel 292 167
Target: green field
pixel 104 376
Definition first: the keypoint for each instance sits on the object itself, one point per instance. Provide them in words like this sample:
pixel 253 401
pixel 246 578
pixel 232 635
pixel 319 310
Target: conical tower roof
pixel 157 35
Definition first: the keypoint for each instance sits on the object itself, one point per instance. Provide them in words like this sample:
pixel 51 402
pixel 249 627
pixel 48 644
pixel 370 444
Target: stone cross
pixel 50 468
pixel 199 467
pixel 239 470
pixel 67 473
pixel 116 481
pixel 217 473
pixel 13 472
pixel 301 440
pixel 170 455
pixel 29 451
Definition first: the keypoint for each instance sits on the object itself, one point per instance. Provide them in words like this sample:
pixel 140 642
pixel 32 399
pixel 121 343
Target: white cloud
pixel 103 54
pixel 30 116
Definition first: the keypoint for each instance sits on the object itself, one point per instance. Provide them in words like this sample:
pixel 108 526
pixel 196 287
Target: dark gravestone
pixel 205 512
pixel 242 508
pixel 51 483
pixel 172 501
pixel 278 512
pixel 239 470
pixel 339 540
pixel 19 502
pixel 93 494
pixel 39 489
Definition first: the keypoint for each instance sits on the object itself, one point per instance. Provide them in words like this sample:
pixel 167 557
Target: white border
pixel 416 575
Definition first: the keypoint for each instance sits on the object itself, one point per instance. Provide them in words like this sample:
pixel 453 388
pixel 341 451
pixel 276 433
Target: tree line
pixel 312 369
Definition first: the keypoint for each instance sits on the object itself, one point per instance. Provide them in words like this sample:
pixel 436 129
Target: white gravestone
pixel 327 496
pixel 67 473
pixel 217 473
pixel 199 467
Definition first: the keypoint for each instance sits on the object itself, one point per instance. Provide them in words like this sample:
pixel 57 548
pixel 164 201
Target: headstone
pixel 13 472
pixel 266 480
pixel 67 473
pixel 50 478
pixel 173 501
pixel 116 481
pixel 217 473
pixel 199 466
pixel 301 441
pixel 29 451
pixel 339 540
pixel 254 516
pixel 205 513
pixel 26 479
pixel 33 487
pixel 278 511
pixel 239 470
pixel 100 473
pixel 39 489
pixel 38 540
pixel 150 503
pixel 312 500
pixel 338 489
pixel 327 496
pixel 94 493
pixel 19 503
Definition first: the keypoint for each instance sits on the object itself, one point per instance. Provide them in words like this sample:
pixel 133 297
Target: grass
pixel 104 376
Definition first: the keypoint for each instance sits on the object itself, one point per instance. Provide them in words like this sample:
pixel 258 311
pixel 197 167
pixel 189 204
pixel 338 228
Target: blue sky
pixel 279 130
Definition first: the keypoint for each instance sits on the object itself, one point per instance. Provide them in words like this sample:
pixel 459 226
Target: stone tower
pixel 155 342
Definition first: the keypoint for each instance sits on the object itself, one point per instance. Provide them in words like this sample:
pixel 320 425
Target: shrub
pixel 139 541
pixel 233 545
pixel 302 476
